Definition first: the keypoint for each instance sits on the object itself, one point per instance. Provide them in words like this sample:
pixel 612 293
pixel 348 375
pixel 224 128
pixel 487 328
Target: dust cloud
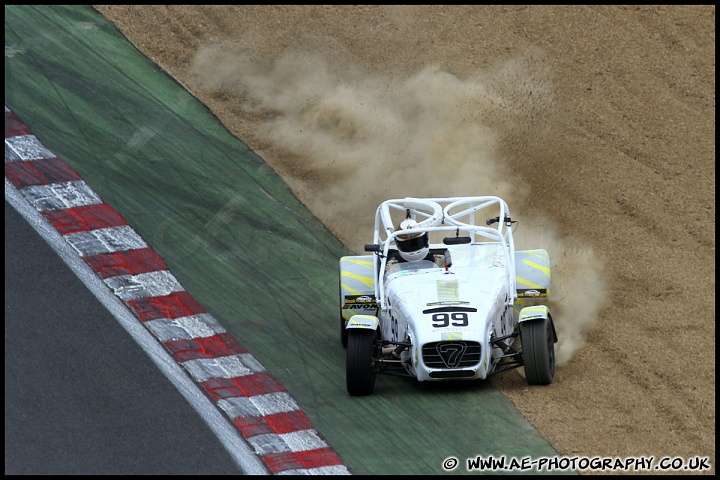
pixel 346 140
pixel 580 289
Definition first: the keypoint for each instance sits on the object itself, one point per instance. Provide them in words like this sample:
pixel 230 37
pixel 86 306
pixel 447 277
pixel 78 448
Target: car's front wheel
pixel 538 349
pixel 359 369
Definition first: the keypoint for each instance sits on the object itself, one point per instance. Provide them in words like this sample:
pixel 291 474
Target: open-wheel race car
pixel 443 297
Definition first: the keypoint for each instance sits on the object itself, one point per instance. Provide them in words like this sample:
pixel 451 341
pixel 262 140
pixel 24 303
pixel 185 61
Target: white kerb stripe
pixel 287 442
pixel 258 405
pixel 201 325
pixel 27 147
pixel 10 155
pixel 60 195
pixel 151 284
pixel 223 367
pixel 105 240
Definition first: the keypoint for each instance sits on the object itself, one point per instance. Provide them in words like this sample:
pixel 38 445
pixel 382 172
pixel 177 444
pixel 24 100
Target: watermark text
pixel 561 463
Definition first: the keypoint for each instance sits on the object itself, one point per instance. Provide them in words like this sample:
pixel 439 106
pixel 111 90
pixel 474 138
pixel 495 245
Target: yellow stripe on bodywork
pixel 536 266
pixel 447 290
pixel 538 311
pixel 527 283
pixel 544 255
pixel 367 281
pixel 520 304
pixel 364 263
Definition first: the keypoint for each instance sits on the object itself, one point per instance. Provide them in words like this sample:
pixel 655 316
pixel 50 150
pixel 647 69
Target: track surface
pixel 81 397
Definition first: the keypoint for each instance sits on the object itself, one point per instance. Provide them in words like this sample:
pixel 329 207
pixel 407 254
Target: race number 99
pixel 456 319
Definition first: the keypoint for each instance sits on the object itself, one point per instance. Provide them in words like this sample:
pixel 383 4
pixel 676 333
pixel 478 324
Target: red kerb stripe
pixel 14 127
pixel 85 218
pixel 279 462
pixel 128 262
pixel 245 386
pixel 277 423
pixel 286 422
pixel 220 345
pixel 44 171
pixel 177 304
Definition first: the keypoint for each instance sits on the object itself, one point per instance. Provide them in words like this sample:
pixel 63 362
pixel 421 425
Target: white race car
pixel 443 298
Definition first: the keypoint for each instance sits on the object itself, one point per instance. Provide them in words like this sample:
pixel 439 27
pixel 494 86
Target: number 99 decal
pixel 456 319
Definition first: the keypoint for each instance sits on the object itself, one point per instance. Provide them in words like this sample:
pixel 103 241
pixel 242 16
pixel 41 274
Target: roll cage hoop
pixel 437 215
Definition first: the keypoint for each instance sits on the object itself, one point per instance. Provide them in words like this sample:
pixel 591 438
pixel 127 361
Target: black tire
pixel 359 371
pixel 538 347
pixel 343 331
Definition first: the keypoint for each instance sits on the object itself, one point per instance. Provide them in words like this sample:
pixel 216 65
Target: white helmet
pixel 412 246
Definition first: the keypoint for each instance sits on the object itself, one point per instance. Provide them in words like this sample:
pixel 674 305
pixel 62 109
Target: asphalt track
pixel 81 396
pixel 234 235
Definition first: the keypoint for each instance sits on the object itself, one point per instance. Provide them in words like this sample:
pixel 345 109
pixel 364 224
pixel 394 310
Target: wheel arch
pixel 538 312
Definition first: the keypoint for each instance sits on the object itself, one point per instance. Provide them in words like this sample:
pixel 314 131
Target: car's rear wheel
pixel 359 371
pixel 538 347
pixel 343 331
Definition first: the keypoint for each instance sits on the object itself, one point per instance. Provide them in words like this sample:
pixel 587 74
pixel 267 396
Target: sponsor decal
pixel 359 307
pixel 364 299
pixel 359 302
pixel 448 302
pixel 532 292
pixel 450 309
pixel 363 325
pixel 361 321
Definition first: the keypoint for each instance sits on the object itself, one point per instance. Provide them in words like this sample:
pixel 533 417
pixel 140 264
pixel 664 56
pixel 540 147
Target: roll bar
pixel 437 216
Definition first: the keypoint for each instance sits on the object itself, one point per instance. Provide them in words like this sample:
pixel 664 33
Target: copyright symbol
pixel 450 463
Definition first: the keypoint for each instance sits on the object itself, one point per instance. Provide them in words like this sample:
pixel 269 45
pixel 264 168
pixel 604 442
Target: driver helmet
pixel 412 246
